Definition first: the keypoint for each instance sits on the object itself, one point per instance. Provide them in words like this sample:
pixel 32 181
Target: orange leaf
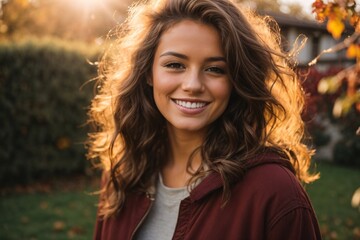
pixel 58 226
pixel 354 20
pixel 318 8
pixel 353 51
pixel 335 26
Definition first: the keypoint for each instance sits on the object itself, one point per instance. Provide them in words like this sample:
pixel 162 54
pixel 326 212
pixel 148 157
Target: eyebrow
pixel 182 56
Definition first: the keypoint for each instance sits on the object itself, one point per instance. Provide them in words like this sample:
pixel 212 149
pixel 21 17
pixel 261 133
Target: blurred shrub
pixel 347 150
pixel 43 104
pixel 318 108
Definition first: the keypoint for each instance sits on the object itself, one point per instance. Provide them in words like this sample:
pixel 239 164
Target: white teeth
pixel 191 105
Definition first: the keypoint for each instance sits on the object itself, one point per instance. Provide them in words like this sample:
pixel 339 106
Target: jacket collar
pixel 214 181
pixel 210 183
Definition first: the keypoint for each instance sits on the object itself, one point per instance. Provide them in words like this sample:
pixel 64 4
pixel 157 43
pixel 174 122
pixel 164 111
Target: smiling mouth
pixel 190 105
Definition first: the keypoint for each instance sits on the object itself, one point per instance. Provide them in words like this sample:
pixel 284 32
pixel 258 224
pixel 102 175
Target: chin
pixel 189 127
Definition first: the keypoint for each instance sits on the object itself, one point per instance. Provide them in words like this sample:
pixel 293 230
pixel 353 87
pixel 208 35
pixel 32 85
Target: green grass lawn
pixel 56 214
pixel 61 213
pixel 331 197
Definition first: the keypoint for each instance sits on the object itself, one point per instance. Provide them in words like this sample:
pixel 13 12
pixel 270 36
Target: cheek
pixel 222 90
pixel 163 84
pixel 222 93
pixel 159 85
pixel 162 88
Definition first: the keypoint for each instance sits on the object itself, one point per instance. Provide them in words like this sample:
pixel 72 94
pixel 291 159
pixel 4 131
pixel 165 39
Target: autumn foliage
pixel 340 14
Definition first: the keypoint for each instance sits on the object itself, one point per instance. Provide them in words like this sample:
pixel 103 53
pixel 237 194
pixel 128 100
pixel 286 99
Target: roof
pixel 286 20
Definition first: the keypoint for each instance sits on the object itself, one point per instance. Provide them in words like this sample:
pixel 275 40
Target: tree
pixel 338 13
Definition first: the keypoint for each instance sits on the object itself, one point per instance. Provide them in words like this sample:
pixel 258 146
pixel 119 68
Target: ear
pixel 149 81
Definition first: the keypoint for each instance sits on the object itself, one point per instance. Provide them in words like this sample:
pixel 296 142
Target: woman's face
pixel 190 77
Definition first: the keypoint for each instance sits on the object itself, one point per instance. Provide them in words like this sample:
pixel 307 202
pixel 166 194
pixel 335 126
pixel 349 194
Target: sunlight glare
pixel 86 4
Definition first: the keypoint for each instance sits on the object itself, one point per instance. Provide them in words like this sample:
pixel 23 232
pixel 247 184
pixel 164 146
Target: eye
pixel 174 65
pixel 216 70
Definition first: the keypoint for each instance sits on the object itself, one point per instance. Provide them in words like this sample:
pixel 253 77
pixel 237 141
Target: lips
pixel 190 104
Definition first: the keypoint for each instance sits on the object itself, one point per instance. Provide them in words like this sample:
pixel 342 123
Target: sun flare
pixel 86 4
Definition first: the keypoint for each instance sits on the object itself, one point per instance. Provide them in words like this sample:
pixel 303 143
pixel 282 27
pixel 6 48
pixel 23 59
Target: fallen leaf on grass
pixel 324 230
pixel 75 231
pixel 349 222
pixel 333 235
pixel 44 205
pixel 58 226
pixel 24 219
pixel 356 233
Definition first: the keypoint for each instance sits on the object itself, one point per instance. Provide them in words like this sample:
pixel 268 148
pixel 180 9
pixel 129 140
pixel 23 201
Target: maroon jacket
pixel 268 203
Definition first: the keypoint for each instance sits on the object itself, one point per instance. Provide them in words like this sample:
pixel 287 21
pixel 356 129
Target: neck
pixel 183 144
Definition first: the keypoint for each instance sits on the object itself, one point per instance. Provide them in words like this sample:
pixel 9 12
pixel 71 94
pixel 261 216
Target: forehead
pixel 188 34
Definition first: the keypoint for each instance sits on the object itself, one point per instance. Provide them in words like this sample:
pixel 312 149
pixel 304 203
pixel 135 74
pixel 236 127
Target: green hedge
pixel 43 107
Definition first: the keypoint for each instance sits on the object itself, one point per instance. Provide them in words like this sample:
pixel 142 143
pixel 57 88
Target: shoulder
pixel 272 187
pixel 272 191
pixel 278 196
pixel 272 178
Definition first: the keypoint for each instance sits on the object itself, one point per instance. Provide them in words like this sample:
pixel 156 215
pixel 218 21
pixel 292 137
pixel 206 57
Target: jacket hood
pixel 214 180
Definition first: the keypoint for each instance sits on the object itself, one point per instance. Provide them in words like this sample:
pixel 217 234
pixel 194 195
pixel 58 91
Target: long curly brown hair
pixel 264 110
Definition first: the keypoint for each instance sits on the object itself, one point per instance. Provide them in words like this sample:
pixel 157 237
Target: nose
pixel 193 82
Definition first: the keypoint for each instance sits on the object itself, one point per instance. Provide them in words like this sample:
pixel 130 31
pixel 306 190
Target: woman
pixel 200 129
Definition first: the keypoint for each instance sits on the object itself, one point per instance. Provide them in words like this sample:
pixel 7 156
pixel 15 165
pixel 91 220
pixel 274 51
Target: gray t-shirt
pixel 161 221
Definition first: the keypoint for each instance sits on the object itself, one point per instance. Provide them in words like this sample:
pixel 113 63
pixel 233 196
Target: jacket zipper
pixel 152 199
